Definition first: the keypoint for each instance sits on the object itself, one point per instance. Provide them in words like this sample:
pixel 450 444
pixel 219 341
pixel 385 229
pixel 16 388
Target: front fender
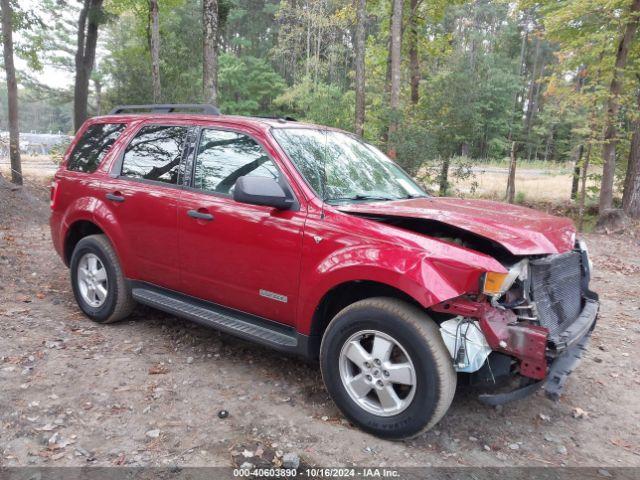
pixel 428 275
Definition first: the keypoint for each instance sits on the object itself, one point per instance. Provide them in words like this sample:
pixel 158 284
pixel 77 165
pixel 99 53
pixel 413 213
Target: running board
pixel 240 324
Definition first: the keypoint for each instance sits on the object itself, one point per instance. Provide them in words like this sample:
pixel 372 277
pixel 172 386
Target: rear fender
pixel 92 210
pixel 80 209
pixel 105 219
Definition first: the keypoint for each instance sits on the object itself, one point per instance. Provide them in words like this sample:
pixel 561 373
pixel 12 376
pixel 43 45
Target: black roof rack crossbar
pixel 167 108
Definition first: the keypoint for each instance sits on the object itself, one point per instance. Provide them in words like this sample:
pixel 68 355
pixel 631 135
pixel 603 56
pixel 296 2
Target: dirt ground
pixel 148 391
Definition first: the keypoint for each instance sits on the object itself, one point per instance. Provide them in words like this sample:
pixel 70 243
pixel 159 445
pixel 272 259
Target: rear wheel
pixel 98 283
pixel 386 367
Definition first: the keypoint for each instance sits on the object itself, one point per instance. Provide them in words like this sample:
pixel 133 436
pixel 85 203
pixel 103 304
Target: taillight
pixel 54 192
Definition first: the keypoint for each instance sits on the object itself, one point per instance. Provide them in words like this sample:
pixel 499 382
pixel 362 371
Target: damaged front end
pixel 536 320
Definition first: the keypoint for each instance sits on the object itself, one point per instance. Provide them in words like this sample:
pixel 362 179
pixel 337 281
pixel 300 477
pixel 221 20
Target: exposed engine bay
pixel 534 325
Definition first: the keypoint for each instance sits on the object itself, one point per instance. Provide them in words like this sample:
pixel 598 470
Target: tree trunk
pixel 361 13
pixel 518 100
pixel 537 108
pixel 155 49
pixel 613 106
pixel 387 75
pixel 575 182
pixel 583 187
pixel 87 40
pixel 414 61
pixel 12 92
pixel 97 85
pixel 465 149
pixel 395 54
pixel 548 144
pixel 511 180
pixel 307 64
pixel 444 177
pixel 317 55
pixel 210 50
pixel 631 195
pixel 531 102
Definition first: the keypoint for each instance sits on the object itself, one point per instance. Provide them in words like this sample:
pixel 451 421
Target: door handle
pixel 200 215
pixel 115 197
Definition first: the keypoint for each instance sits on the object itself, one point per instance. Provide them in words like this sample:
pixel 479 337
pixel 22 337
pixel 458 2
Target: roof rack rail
pixel 167 108
pixel 285 118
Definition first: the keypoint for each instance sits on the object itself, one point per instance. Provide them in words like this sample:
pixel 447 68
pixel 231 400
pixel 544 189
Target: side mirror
pixel 261 191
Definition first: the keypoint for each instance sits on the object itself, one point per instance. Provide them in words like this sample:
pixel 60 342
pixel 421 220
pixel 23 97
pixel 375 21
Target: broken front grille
pixel 556 290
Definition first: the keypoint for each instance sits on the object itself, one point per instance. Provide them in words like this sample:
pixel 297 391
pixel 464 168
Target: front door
pixel 245 257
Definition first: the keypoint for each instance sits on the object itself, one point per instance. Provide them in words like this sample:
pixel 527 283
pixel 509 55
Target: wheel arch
pixel 347 293
pixel 76 232
pixel 93 224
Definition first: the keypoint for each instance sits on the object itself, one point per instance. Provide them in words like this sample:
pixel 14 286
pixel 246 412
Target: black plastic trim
pixel 580 327
pixel 244 325
pixel 562 367
pixel 494 399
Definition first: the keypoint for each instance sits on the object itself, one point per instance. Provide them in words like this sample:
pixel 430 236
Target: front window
pixel 225 156
pixel 341 168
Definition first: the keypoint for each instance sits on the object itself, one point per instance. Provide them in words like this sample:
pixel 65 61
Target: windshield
pixel 341 168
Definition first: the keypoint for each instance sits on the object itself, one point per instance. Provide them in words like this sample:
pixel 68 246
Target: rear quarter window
pixel 93 145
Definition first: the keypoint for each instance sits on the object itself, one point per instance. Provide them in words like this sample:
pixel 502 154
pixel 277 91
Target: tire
pixel 417 342
pixel 117 303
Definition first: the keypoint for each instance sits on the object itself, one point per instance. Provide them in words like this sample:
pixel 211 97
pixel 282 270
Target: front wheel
pixel 386 367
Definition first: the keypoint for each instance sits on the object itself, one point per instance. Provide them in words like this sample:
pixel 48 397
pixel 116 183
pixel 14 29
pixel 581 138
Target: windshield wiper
pixel 361 196
pixel 415 195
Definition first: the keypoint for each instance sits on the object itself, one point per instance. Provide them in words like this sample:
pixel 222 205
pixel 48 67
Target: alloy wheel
pixel 377 373
pixel 93 283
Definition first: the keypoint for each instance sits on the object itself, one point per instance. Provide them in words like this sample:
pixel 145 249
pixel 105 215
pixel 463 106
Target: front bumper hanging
pixel 566 363
pixel 553 385
pixel 546 360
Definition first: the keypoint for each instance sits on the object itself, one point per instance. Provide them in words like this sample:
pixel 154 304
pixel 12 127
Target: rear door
pixel 143 192
pixel 241 256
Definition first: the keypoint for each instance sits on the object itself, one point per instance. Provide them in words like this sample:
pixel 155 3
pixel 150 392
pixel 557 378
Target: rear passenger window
pixel 155 154
pixel 225 156
pixel 93 145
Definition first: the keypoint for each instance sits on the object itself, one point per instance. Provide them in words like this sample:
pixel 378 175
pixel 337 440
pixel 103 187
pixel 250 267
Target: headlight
pixel 496 284
pixel 583 246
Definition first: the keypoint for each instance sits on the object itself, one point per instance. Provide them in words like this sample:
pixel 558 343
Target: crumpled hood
pixel 520 230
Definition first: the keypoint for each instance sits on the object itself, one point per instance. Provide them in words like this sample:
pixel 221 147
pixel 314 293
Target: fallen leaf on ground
pixel 158 369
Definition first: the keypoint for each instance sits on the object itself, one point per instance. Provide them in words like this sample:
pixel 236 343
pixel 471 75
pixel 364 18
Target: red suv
pixel 309 240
